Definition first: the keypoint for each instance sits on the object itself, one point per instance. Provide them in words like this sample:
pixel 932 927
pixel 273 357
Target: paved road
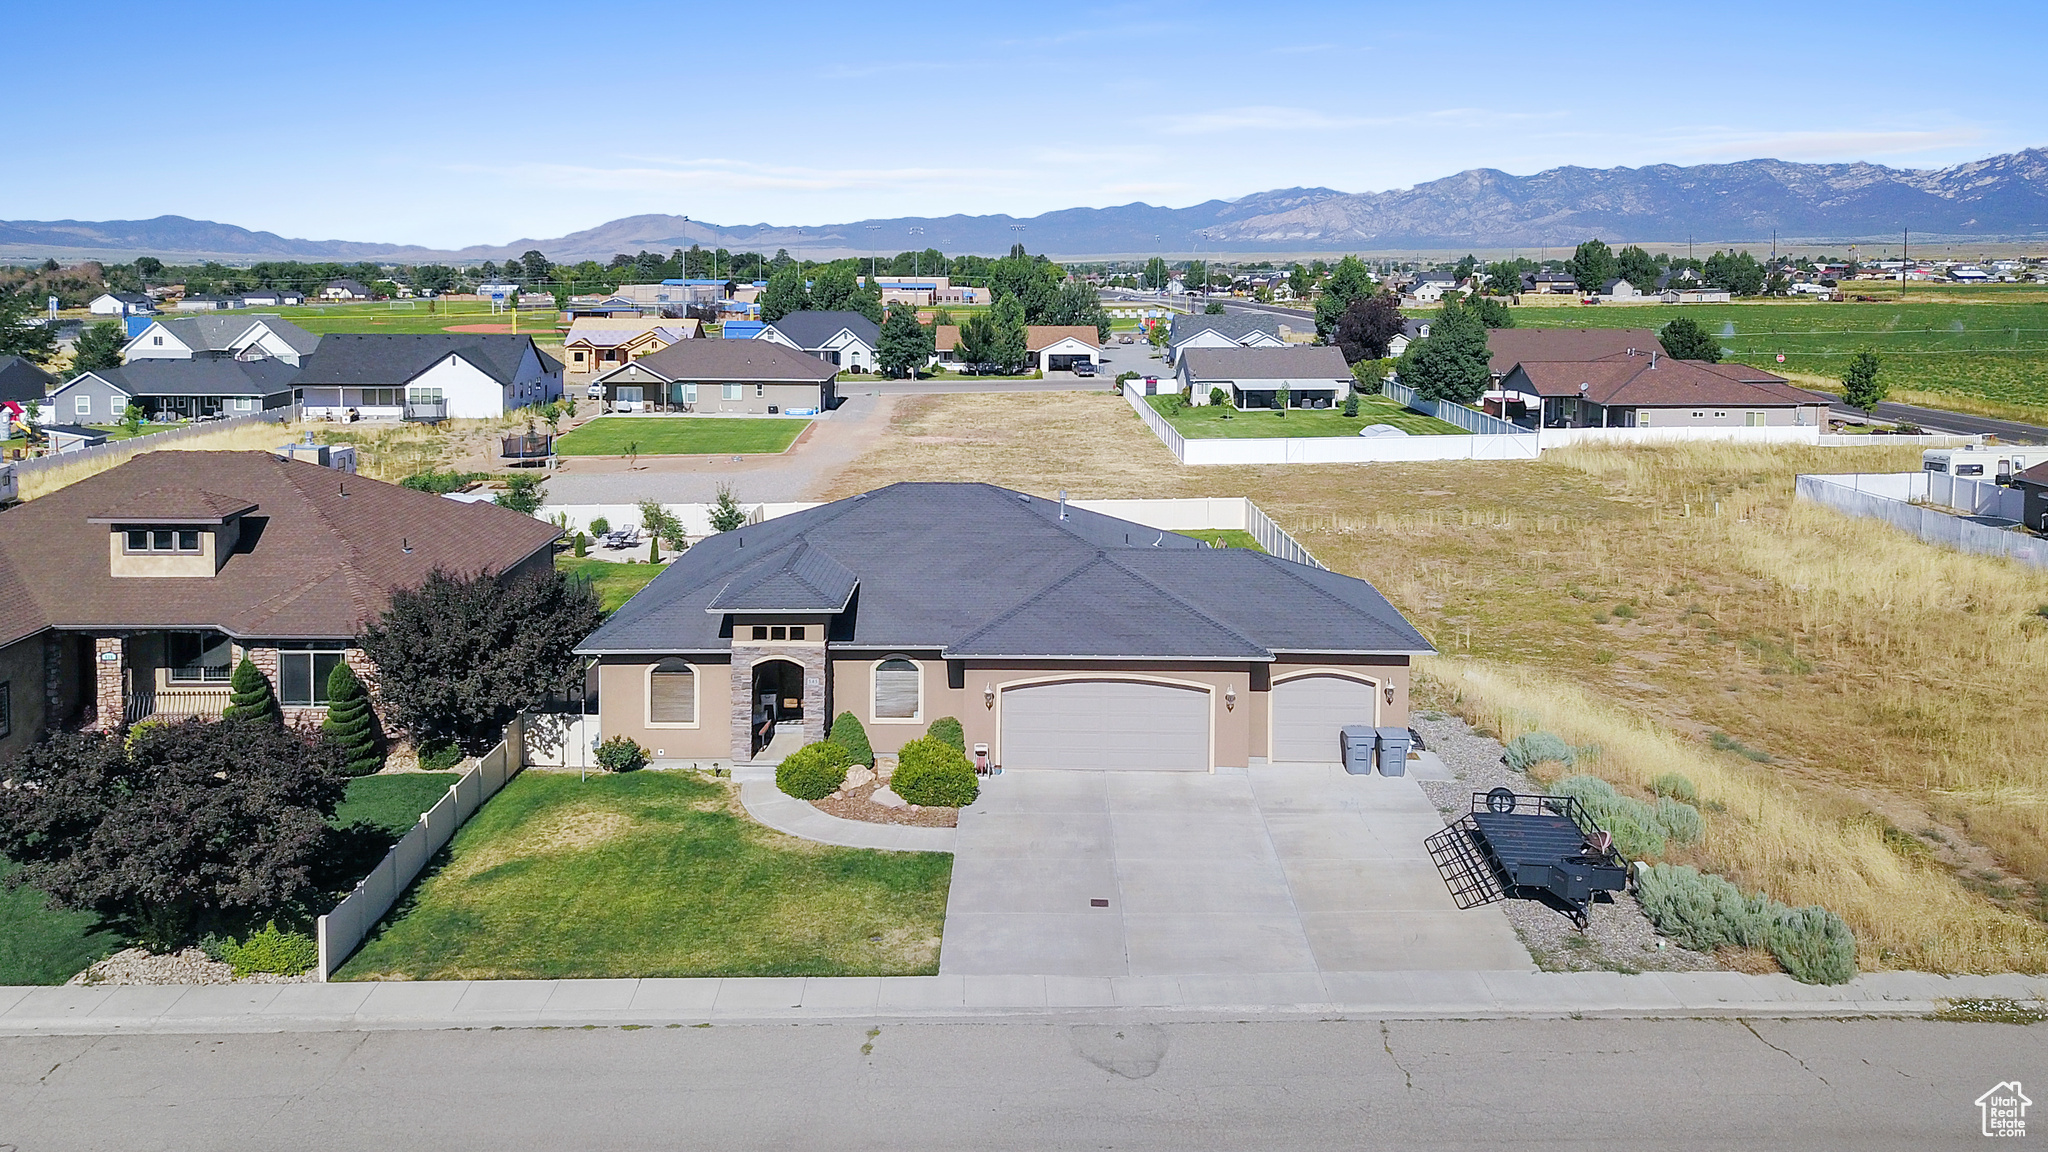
pixel 1936 420
pixel 1341 1084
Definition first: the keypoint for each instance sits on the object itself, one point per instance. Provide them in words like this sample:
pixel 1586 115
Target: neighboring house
pixel 23 380
pixel 1690 294
pixel 345 290
pixel 1650 390
pixel 459 376
pixel 175 390
pixel 62 438
pixel 1315 376
pixel 1230 330
pixel 595 343
pixel 273 298
pixel 1411 331
pixel 133 593
pixel 244 337
pixel 121 304
pixel 1548 282
pixel 205 303
pixel 1620 289
pixel 845 339
pixel 1060 639
pixel 1507 347
pixel 1050 347
pixel 2033 484
pixel 757 376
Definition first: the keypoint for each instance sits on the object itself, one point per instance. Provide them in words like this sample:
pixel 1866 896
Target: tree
pixel 905 345
pixel 833 287
pixel 1504 278
pixel 1349 281
pixel 1737 272
pixel 1008 350
pixel 1367 326
pixel 19 334
pixel 784 294
pixel 1489 312
pixel 1592 265
pixel 252 697
pixel 726 513
pixel 663 525
pixel 1636 266
pixel 522 493
pixel 1860 385
pixel 131 418
pixel 1684 339
pixel 1452 364
pixel 98 347
pixel 148 267
pixel 976 346
pixel 351 724
pixel 460 656
pixel 1212 308
pixel 1156 276
pixel 176 828
pixel 867 300
pixel 1298 281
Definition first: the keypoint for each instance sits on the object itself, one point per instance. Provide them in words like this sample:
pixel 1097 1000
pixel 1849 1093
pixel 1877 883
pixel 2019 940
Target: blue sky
pixel 450 125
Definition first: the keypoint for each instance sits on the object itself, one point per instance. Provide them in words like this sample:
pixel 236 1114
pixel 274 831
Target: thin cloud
pixel 1262 118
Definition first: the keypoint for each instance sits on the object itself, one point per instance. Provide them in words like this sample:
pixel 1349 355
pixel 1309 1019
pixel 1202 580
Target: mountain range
pixel 1999 198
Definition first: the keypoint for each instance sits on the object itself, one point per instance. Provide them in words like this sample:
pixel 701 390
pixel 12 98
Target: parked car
pixel 1084 368
pixel 1126 338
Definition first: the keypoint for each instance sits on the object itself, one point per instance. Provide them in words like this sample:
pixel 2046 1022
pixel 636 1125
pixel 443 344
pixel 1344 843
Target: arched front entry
pixel 777 698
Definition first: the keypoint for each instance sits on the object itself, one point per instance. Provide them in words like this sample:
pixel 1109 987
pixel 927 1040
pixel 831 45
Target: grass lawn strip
pixel 1225 538
pixel 41 946
pixel 1207 422
pixel 392 802
pixel 654 874
pixel 679 436
pixel 615 583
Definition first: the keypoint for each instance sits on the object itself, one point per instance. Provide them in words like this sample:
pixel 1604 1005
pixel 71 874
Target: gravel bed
pixel 1619 938
pixel 852 804
pixel 189 966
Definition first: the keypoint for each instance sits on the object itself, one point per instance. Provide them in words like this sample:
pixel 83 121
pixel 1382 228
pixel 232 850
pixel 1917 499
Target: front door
pixel 778 698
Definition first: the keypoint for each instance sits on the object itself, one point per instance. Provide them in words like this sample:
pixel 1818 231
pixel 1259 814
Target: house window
pixel 672 693
pixel 163 540
pixel 689 393
pixel 1698 415
pixel 1753 419
pixel 732 392
pixel 197 657
pixel 302 676
pixel 796 633
pixel 83 405
pixel 898 688
pixel 1720 415
pixel 631 393
pixel 156 341
pixel 244 403
pixel 760 631
pixel 760 389
pixel 423 395
pixel 578 357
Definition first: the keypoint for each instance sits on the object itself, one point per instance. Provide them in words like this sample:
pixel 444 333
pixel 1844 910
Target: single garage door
pixel 1106 724
pixel 1308 710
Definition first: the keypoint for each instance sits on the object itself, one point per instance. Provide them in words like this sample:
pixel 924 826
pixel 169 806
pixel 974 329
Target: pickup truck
pixel 1084 368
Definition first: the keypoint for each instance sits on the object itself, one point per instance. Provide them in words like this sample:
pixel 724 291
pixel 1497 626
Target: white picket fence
pixel 344 929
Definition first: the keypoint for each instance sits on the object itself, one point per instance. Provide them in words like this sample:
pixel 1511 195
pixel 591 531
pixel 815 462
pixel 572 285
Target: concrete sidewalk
pixel 777 809
pixel 655 1003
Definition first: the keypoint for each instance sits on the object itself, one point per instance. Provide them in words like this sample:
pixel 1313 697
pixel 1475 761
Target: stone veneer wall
pixel 109 700
pixel 744 658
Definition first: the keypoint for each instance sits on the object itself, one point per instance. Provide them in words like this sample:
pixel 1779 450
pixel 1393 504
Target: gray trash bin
pixel 1358 742
pixel 1393 751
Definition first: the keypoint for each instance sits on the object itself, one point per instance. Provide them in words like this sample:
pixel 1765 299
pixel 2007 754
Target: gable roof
pixel 321 550
pixel 222 333
pixel 738 361
pixel 813 329
pixel 354 286
pixel 1659 381
pixel 124 297
pixel 1507 347
pixel 202 376
pixel 23 379
pixel 1232 326
pixel 1295 362
pixel 350 360
pixel 973 570
pixel 1041 336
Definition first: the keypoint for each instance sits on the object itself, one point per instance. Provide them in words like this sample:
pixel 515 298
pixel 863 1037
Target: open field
pixel 1969 349
pixel 413 316
pixel 1209 421
pixel 1898 692
pixel 654 874
pixel 679 436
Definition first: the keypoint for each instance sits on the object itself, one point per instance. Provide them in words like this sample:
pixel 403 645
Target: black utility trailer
pixel 1529 846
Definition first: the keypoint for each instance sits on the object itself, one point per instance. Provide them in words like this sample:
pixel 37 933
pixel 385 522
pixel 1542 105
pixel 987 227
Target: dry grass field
pixel 1869 713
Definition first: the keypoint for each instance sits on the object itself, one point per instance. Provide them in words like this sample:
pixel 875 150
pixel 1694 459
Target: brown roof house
pixel 1651 390
pixel 1507 347
pixel 135 592
pixel 1051 347
pixel 752 376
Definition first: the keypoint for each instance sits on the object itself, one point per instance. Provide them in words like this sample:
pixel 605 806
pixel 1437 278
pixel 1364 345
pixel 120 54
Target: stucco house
pixel 1061 639
pixel 845 339
pixel 1314 375
pixel 763 377
pixel 254 336
pixel 134 592
pixel 1650 390
pixel 427 376
pixel 1230 330
pixel 345 290
pixel 195 389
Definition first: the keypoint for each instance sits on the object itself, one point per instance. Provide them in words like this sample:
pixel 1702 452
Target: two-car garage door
pixel 1308 711
pixel 1106 724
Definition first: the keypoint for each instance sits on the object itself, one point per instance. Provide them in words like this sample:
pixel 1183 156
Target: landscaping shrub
pixel 350 723
pixel 1675 786
pixel 1218 397
pixel 1533 748
pixel 813 771
pixel 947 729
pixel 582 545
pixel 930 771
pixel 600 526
pixel 1703 912
pixel 1679 821
pixel 621 754
pixel 284 953
pixel 848 734
pixel 252 698
pixel 1633 823
pixel 439 756
pixel 1814 945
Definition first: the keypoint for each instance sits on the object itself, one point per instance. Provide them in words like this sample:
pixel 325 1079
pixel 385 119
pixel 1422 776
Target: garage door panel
pixel 1106 724
pixel 1308 711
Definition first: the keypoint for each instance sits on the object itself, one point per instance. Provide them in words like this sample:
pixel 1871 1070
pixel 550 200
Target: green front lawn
pixel 615 583
pixel 39 946
pixel 392 804
pixel 1226 538
pixel 1208 423
pixel 654 874
pixel 679 436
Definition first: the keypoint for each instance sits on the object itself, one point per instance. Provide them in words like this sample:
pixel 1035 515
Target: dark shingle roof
pixel 1507 347
pixel 390 360
pixel 320 554
pixel 219 333
pixel 1663 382
pixel 973 570
pixel 1230 326
pixel 22 380
pixel 205 376
pixel 737 361
pixel 798 578
pixel 1295 362
pixel 813 329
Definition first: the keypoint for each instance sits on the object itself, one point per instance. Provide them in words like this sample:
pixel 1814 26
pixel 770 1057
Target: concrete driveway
pixel 1288 869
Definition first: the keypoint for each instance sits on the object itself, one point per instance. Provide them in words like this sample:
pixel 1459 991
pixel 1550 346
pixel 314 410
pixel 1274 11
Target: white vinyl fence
pixel 1518 445
pixel 150 442
pixel 343 930
pixel 1739 434
pixel 1888 497
pixel 1234 513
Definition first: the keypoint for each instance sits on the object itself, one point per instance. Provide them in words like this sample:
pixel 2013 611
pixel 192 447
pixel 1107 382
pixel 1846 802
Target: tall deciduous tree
pixel 1684 339
pixel 1366 327
pixel 867 300
pixel 1349 280
pixel 460 656
pixel 1592 265
pixel 1636 266
pixel 784 294
pixel 1008 350
pixel 1860 386
pixel 1452 363
pixel 177 828
pixel 538 267
pixel 1156 275
pixel 906 345
pixel 832 287
pixel 1738 272
pixel 1489 312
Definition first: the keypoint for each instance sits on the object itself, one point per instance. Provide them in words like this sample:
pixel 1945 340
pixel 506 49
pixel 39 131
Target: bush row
pixel 1640 829
pixel 283 953
pixel 1704 912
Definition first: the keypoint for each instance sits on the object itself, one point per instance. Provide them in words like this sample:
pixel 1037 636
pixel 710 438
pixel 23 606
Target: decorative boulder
pixel 883 798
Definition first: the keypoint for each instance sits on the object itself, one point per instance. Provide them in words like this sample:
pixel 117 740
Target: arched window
pixel 899 689
pixel 672 693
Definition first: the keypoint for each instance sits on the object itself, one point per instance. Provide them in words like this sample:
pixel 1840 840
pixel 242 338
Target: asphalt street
pixel 1349 1084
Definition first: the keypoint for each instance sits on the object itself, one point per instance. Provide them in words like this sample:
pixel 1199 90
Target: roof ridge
pixel 1211 620
pixel 1045 590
